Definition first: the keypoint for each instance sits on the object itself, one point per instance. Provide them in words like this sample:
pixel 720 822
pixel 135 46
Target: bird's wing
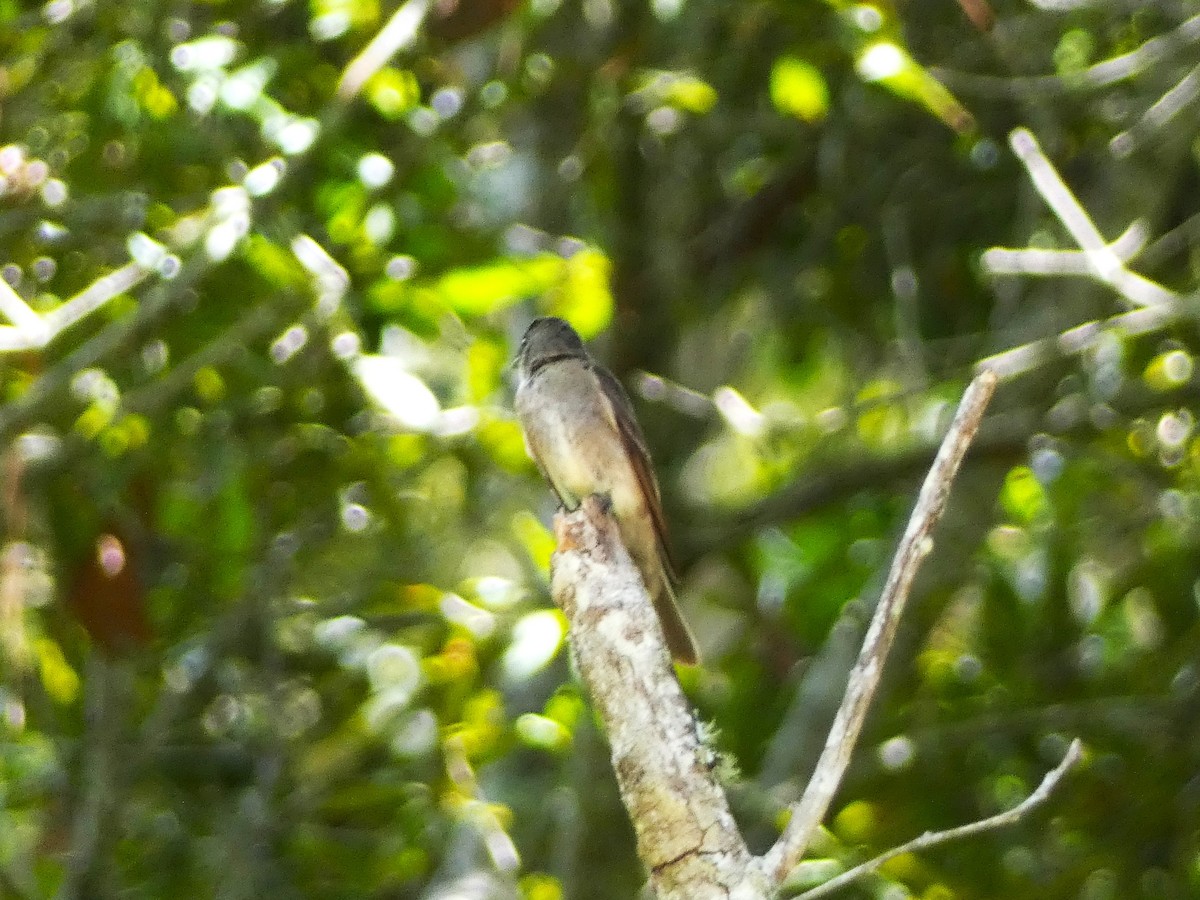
pixel 620 409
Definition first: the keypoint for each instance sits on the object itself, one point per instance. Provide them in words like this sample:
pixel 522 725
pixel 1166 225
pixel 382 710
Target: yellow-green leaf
pixel 393 92
pixel 798 89
pixel 582 295
pixel 1023 497
pixel 891 66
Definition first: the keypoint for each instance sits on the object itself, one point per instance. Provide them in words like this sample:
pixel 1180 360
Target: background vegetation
pixel 273 606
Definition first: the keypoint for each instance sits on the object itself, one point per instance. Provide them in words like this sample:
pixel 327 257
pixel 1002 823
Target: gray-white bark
pixel 686 835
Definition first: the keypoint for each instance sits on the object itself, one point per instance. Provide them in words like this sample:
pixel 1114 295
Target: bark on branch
pixel 686 835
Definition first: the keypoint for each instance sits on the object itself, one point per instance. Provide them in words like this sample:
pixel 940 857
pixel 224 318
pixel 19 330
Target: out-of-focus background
pixel 273 608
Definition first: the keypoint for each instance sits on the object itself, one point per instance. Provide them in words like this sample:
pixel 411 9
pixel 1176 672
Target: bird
pixel 581 431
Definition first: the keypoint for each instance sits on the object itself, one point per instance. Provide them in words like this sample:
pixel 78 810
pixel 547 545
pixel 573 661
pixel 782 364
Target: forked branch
pixel 686 835
pixel 915 545
pixel 933 838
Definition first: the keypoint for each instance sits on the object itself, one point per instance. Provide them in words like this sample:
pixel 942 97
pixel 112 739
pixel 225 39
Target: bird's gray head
pixel 545 339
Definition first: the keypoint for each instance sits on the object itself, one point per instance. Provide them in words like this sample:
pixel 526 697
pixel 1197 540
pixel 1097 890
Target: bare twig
pixel 1063 5
pixel 399 32
pixel 1158 307
pixel 330 279
pixel 228 211
pixel 95 295
pixel 159 302
pixel 934 838
pixel 864 678
pixel 18 312
pixel 685 834
pixel 1038 261
pixel 1105 264
pixel 30 331
pixel 1025 357
pixel 476 810
pixel 1159 114
pixel 1103 74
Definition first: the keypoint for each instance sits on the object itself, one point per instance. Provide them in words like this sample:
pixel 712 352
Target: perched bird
pixel 581 431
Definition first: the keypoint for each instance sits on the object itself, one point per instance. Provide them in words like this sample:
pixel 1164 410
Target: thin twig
pixel 1159 114
pixel 933 838
pixel 864 678
pixel 1025 357
pixel 1107 72
pixel 95 295
pixel 399 32
pixel 1063 5
pixel 17 310
pixel 1105 264
pixel 1038 261
pixel 31 331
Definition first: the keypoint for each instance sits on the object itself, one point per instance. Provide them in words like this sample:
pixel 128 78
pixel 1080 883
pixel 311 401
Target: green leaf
pixel 581 295
pixel 798 89
pixel 891 66
pixel 477 290
pixel 393 92
pixel 690 94
pixel 1023 497
pixel 682 90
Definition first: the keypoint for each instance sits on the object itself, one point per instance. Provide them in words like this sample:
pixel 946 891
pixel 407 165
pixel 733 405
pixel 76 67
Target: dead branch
pixel 932 838
pixel 686 835
pixel 864 678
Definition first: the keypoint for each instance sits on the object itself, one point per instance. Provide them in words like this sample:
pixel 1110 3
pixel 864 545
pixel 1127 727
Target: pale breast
pixel 569 431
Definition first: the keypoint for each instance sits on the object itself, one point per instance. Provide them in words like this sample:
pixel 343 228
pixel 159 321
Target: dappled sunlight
pixel 275 612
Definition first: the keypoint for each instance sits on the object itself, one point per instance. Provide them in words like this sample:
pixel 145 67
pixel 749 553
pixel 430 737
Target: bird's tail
pixel 680 640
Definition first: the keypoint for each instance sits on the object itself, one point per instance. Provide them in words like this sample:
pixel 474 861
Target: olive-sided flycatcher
pixel 581 431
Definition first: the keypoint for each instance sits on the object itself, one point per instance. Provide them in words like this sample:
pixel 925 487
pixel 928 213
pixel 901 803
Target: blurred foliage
pixel 273 606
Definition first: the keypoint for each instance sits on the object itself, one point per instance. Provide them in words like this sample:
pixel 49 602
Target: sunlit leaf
pixel 581 294
pixel 505 444
pixel 535 537
pixel 798 89
pixel 891 66
pixel 538 886
pixel 402 394
pixel 690 94
pixel 1022 496
pixel 681 90
pixel 857 821
pixel 483 289
pixel 1074 51
pixel 274 263
pixel 536 640
pixel 1169 371
pixel 60 680
pixel 542 733
pixel 393 92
